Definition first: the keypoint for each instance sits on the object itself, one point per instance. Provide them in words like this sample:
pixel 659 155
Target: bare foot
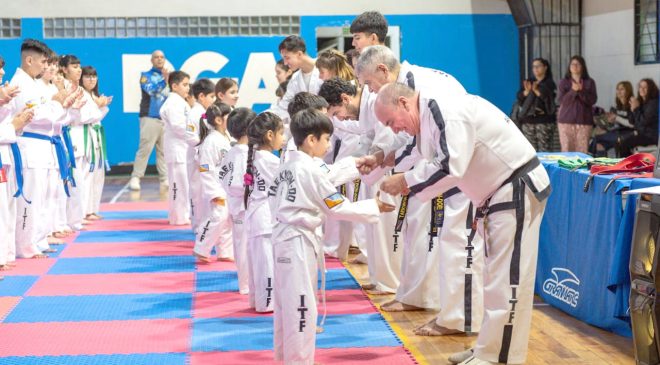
pixel 378 292
pixel 50 250
pixel 5 267
pixel 319 329
pixel 94 217
pixel 368 286
pixel 396 306
pixel 11 264
pixel 226 259
pixel 55 241
pixel 356 262
pixel 39 256
pixel 60 234
pixel 433 329
pixel 85 222
pixel 202 259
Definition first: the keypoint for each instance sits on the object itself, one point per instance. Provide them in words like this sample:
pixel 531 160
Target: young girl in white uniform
pixel 215 227
pixel 232 173
pixel 265 135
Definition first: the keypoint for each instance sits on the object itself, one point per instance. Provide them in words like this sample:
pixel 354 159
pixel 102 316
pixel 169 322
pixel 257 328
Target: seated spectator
pixel 644 118
pixel 617 122
pixel 538 111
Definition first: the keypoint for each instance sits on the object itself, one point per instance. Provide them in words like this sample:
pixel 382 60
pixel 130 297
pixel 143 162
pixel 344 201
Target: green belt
pixel 93 160
pixel 100 135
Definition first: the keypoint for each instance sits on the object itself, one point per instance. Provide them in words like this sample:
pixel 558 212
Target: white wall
pixel 608 45
pixel 82 8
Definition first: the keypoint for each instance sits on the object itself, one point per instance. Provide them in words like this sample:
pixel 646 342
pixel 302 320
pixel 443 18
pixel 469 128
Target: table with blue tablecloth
pixel 584 245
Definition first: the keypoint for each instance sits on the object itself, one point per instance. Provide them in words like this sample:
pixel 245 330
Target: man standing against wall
pixel 154 92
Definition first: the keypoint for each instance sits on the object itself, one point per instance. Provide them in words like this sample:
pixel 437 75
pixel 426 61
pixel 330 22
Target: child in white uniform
pixel 203 91
pixel 215 226
pixel 302 196
pixel 265 135
pixel 231 173
pixel 174 113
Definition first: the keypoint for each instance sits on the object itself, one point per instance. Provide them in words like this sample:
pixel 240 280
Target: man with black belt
pixel 154 92
pixel 468 143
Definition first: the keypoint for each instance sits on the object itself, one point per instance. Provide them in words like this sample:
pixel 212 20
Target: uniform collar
pixel 299 156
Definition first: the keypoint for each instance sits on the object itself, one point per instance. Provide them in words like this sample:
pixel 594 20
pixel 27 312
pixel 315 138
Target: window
pixel 146 27
pixel 646 31
pixel 10 28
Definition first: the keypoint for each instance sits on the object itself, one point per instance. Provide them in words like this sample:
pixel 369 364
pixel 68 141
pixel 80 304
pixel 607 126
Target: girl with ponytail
pixel 215 228
pixel 265 134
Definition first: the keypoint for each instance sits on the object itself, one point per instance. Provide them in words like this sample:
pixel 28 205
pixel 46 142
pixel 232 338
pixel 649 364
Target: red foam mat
pixel 98 284
pixel 131 225
pixel 111 207
pixel 93 338
pixel 215 266
pixel 30 267
pixel 171 248
pixel 333 263
pixel 235 305
pixel 345 356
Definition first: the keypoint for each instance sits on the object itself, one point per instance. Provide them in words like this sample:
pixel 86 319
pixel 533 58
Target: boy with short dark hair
pixel 368 29
pixel 174 113
pixel 203 90
pixel 294 53
pixel 301 197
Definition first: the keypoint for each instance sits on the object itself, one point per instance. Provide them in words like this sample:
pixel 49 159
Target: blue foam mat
pixel 135 236
pixel 256 333
pixel 133 359
pixel 216 281
pixel 134 214
pixel 339 279
pixel 110 265
pixel 102 308
pixel 16 286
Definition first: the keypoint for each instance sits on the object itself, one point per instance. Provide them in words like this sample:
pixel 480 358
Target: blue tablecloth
pixel 584 246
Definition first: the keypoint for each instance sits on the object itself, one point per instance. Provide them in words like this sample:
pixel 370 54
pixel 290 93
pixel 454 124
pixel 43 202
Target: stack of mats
pixel 128 291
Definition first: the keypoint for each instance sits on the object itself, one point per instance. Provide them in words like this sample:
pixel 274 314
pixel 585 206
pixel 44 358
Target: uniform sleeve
pixel 281 108
pixel 336 206
pixel 209 159
pixel 192 130
pixel 7 131
pixel 342 171
pixel 235 185
pixel 176 121
pixel 89 113
pixel 454 146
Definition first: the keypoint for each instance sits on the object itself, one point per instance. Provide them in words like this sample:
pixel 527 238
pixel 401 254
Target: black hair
pixel 238 121
pixel 35 46
pixel 2 62
pixel 176 77
pixel 224 84
pixel 370 22
pixel 332 89
pixel 309 121
pixel 256 132
pixel 280 63
pixel 585 73
pixel 202 86
pixel 207 121
pixel 281 89
pixel 544 62
pixel 304 100
pixel 293 43
pixel 352 55
pixel 90 71
pixel 651 93
pixel 68 59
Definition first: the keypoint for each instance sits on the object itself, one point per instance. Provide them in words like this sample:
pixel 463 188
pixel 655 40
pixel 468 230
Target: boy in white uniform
pixel 174 114
pixel 301 196
pixel 232 173
pixel 467 142
pixel 204 92
pixel 294 53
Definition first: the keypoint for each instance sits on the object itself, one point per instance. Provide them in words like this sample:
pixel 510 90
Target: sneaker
pixel 134 183
pixel 474 361
pixel 460 356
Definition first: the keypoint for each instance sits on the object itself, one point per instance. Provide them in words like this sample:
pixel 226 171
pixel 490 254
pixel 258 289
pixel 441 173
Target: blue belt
pixel 18 170
pixel 69 145
pixel 61 155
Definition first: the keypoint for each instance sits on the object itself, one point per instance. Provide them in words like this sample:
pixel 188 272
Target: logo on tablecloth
pixel 563 286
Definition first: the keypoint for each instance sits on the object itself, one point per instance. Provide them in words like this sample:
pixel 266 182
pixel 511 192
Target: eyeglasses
pixel 91 77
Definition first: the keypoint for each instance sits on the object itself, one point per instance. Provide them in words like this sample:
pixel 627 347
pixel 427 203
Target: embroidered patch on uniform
pixel 283 260
pixel 334 200
pixel 190 127
pixel 204 168
pixel 143 79
pixel 3 175
pixel 325 168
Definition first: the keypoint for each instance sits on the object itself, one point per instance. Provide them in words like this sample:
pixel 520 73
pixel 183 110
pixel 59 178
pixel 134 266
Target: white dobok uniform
pixel 192 165
pixel 302 197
